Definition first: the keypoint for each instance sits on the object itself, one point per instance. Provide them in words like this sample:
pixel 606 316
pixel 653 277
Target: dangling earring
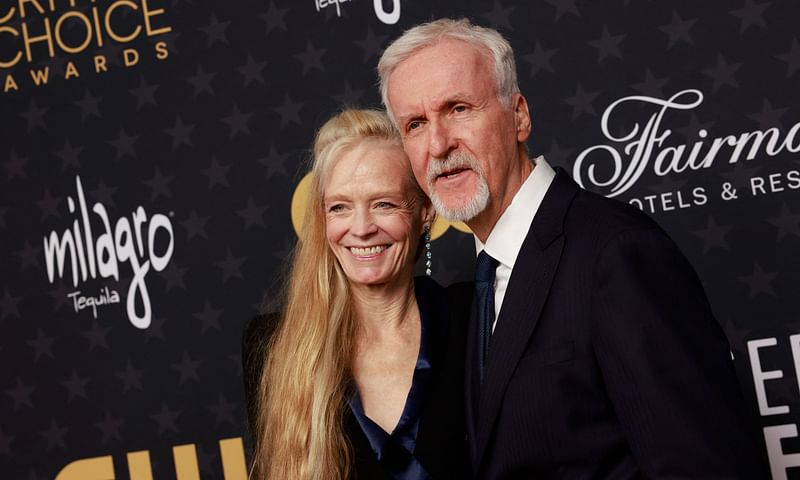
pixel 427 238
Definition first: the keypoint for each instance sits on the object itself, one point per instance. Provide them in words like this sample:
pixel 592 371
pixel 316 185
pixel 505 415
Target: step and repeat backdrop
pixel 150 151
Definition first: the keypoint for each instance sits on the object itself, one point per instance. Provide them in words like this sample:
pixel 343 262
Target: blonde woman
pixel 361 374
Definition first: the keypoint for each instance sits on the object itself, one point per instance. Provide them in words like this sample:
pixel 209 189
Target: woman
pixel 362 373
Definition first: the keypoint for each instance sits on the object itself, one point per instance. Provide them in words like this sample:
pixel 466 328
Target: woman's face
pixel 374 217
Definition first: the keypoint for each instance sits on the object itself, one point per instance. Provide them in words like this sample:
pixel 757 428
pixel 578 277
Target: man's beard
pixel 472 207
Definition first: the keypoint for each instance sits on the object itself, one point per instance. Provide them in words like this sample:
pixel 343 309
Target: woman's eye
pixel 336 208
pixel 384 205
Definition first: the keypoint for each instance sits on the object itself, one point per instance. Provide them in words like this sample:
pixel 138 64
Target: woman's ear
pixel 428 216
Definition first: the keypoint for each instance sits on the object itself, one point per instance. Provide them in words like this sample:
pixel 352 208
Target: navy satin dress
pixel 395 450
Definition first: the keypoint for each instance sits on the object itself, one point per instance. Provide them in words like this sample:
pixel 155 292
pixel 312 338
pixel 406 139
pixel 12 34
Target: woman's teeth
pixel 367 250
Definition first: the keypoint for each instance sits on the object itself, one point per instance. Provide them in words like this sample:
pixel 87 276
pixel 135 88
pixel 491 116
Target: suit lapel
pixel 524 300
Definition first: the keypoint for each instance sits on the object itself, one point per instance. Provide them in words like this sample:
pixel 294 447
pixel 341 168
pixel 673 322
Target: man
pixel 604 360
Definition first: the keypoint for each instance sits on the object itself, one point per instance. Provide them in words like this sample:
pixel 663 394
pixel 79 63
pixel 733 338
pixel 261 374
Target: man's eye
pixel 460 108
pixel 414 125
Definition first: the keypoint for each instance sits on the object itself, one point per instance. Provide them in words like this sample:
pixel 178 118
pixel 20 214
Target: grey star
pixel 55 436
pixel 216 174
pixel 787 222
pixel 289 111
pixel 5 443
pixel 144 93
pixel 607 45
pixel 275 162
pixel 21 394
pixel 69 156
pixel 8 305
pixel 558 155
pixel 76 386
pixel 540 59
pixel 678 30
pixel 768 117
pixel 252 214
pixel 231 266
pixel 159 184
pixel 498 16
pixel 180 133
pixel 207 461
pixel 372 45
pixel 124 144
pixel 759 281
pixel 723 73
pixel 311 58
pixel 35 116
pixel 109 428
pixel 223 411
pixel 209 317
pixel 651 85
pixel 155 329
pixel 792 58
pixel 215 30
pixel 195 225
pixel 692 130
pixel 104 193
pixel 15 166
pixel 237 122
pixel 89 105
pixel 166 419
pixel 97 336
pixel 48 204
pixel 251 71
pixel 42 345
pixel 201 82
pixel 29 256
pixel 187 368
pixel 564 7
pixel 274 17
pixel 581 102
pixel 751 14
pixel 349 96
pixel 173 275
pixel 713 235
pixel 131 377
pixel 59 295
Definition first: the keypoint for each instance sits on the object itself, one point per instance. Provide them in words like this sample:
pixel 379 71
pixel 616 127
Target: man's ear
pixel 522 118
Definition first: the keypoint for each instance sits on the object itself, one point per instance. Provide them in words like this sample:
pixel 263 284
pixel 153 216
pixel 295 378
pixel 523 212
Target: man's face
pixel 458 135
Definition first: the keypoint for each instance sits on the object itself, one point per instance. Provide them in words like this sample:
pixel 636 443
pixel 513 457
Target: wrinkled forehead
pixel 372 161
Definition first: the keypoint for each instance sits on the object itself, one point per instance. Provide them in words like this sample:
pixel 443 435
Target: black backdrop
pixel 201 113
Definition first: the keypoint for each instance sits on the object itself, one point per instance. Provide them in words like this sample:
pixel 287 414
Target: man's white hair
pixel 431 33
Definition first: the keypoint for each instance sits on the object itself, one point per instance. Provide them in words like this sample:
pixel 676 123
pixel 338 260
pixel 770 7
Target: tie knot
pixel 485 268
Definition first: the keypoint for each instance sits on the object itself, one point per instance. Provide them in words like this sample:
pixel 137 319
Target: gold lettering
pixel 98 32
pixel 40 76
pixel 139 465
pixel 130 56
pixel 110 31
pixel 185 457
pixel 8 15
pixel 71 71
pixel 16 58
pixel 53 4
pixel 97 468
pixel 9 84
pixel 152 13
pixel 82 17
pixel 22 3
pixel 100 63
pixel 234 466
pixel 161 50
pixel 28 40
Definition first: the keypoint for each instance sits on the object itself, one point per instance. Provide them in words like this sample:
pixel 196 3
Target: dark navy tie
pixel 484 296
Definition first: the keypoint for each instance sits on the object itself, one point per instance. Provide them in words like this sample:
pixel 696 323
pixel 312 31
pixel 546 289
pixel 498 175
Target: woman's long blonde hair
pixel 303 386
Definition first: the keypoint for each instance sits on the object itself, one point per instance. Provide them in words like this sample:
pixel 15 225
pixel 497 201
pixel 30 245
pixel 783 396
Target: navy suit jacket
pixel 606 361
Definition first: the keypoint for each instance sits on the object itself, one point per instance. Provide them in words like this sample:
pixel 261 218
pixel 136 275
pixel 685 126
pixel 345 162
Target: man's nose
pixel 440 139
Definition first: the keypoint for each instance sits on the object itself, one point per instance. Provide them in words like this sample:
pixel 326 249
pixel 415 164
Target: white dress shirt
pixel 508 234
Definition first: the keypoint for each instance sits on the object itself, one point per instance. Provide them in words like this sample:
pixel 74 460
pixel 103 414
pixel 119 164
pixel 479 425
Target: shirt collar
pixel 508 234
